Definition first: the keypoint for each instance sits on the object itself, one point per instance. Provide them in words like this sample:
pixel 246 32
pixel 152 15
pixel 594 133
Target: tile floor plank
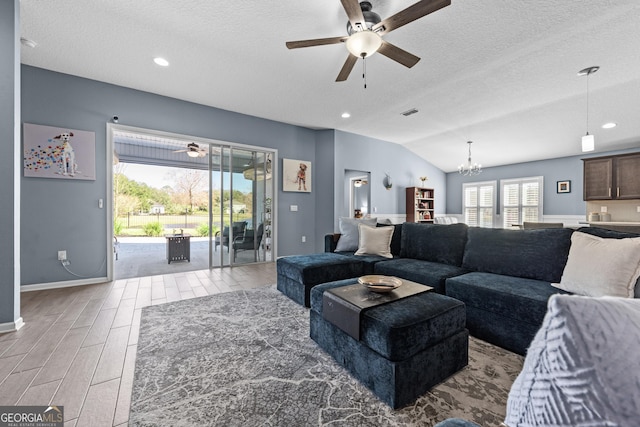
pixel 124 314
pixel 61 359
pixel 76 383
pixel 100 404
pixel 15 385
pixel 41 352
pixel 113 354
pixel 100 328
pixel 40 394
pixel 126 386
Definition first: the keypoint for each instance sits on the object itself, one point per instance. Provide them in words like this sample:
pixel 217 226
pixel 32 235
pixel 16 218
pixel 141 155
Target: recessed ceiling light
pixel 609 125
pixel 346 115
pixel 161 62
pixel 27 42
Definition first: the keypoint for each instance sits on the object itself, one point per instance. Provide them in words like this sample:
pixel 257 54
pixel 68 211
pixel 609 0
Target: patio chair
pixel 247 241
pixel 222 239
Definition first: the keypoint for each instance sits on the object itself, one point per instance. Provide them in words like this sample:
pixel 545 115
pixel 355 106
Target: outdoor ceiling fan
pixel 193 150
pixel 365 30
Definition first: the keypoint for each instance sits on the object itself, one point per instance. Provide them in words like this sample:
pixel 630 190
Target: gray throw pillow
pixel 581 368
pixel 349 235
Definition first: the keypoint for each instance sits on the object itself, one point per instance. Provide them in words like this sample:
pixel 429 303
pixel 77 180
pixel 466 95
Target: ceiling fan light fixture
pixel 193 153
pixel 363 43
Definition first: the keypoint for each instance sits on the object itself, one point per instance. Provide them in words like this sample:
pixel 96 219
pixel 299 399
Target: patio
pixel 147 256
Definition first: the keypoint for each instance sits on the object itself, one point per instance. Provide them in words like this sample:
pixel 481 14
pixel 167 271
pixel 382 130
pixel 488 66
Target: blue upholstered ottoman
pixel 405 348
pixel 298 274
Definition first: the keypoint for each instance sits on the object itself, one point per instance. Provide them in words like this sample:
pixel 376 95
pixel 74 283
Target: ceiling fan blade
pixel 399 55
pixel 410 14
pixel 346 68
pixel 354 13
pixel 315 42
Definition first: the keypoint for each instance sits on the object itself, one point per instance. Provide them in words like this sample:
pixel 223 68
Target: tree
pixel 188 184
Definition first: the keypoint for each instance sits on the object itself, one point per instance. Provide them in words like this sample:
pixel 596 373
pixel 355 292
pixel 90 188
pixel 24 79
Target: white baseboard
pixel 66 284
pixel 11 326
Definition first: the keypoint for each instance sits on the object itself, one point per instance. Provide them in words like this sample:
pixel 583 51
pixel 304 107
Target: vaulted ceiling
pixel 500 73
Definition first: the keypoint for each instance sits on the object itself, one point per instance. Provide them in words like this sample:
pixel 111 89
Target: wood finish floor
pixel 78 346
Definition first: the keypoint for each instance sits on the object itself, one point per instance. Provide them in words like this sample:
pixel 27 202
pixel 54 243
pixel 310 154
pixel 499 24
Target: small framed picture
pixel 296 175
pixel 564 187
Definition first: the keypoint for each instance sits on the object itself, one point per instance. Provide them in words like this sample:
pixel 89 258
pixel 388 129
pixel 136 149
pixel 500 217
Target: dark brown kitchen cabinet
pixel 612 177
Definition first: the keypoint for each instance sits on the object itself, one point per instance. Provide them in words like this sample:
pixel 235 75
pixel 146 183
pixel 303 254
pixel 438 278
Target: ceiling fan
pixel 193 150
pixel 365 30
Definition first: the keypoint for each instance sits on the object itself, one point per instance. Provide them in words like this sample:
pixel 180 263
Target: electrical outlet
pixel 62 255
pixel 638 209
pixel 304 239
pixel 603 209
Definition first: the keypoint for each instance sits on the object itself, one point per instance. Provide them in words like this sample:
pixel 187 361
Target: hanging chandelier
pixel 470 168
pixel 588 141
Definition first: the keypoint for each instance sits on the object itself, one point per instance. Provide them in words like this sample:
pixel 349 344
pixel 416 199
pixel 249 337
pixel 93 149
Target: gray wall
pixel 553 170
pixel 357 152
pixel 61 214
pixel 324 171
pixel 10 161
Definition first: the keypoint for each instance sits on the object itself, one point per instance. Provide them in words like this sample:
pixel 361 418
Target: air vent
pixel 410 112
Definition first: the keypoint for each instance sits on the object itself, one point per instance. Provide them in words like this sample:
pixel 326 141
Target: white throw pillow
pixel 597 267
pixel 375 241
pixel 582 368
pixel 349 234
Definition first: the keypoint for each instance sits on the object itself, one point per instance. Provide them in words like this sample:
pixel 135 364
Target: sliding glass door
pixel 241 191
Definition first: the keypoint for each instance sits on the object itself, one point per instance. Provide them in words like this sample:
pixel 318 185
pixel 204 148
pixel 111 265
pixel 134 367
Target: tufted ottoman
pixel 405 348
pixel 298 274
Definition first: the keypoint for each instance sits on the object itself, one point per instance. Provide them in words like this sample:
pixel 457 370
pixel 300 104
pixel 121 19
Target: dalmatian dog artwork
pixel 58 152
pixel 67 159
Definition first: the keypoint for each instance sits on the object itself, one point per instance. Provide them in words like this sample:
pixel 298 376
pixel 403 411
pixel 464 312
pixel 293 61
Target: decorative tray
pixel 378 283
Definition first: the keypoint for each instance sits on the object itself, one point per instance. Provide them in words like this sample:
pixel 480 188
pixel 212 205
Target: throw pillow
pixel 598 267
pixel 349 235
pixel 582 366
pixel 375 241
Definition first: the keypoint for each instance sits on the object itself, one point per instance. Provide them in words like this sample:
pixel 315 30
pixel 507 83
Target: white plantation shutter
pixel 521 200
pixel 479 203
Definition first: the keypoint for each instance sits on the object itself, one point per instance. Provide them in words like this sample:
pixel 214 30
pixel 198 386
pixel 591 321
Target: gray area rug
pixel 245 359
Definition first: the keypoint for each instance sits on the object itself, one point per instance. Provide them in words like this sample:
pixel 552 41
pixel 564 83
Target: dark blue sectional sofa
pixel 503 276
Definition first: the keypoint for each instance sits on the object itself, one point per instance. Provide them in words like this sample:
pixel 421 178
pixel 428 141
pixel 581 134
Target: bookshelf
pixel 420 204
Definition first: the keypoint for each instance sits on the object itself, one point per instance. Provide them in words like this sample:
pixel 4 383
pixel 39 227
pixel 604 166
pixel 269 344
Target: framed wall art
pixel 564 187
pixel 296 175
pixel 62 153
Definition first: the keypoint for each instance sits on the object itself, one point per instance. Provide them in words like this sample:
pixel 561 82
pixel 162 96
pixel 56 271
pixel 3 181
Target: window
pixel 521 200
pixel 479 203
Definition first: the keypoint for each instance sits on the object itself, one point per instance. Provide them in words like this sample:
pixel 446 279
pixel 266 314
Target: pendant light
pixel 588 141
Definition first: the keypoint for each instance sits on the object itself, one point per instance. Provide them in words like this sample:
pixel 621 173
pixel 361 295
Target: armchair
pixel 222 239
pixel 247 241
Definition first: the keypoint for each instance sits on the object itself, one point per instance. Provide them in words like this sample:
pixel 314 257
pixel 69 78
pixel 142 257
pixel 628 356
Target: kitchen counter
pixel 627 226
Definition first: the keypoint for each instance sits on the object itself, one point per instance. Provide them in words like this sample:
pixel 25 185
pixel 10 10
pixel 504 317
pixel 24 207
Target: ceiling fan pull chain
pixel 364 71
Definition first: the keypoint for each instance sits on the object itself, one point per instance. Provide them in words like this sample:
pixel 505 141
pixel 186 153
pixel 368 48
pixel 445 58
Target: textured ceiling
pixel 499 72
